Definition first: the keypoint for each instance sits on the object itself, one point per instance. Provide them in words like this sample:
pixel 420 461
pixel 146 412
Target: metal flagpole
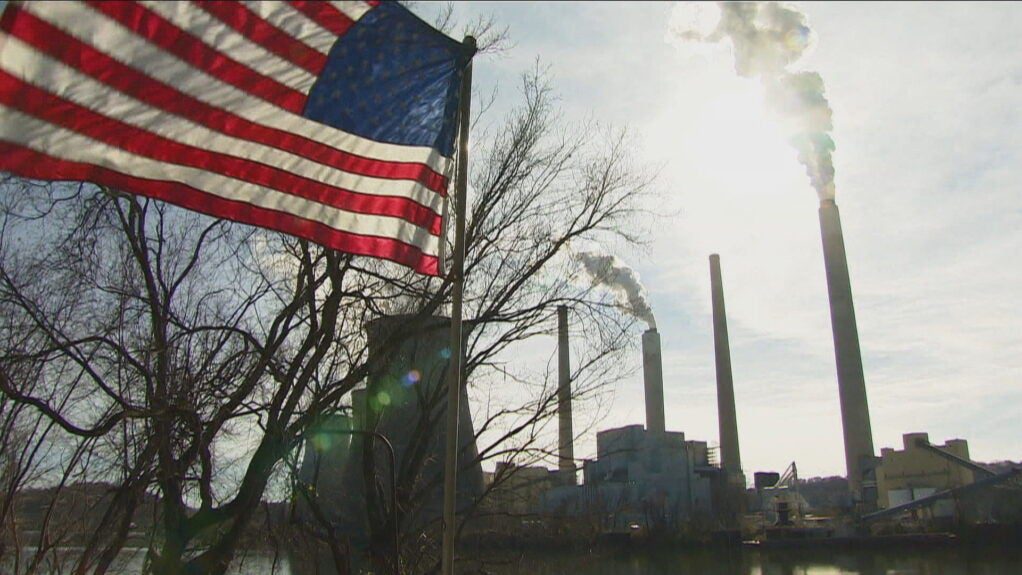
pixel 458 283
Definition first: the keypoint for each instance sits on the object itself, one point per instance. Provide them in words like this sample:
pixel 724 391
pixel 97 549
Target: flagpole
pixel 454 375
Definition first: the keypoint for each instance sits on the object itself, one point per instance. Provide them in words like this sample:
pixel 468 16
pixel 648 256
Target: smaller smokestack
pixel 730 459
pixel 565 435
pixel 653 376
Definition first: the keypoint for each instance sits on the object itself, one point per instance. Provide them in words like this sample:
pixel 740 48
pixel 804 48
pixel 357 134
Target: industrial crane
pixel 783 498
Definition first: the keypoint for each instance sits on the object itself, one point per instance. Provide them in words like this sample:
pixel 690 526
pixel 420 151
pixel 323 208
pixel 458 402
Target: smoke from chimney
pixel 623 280
pixel 766 38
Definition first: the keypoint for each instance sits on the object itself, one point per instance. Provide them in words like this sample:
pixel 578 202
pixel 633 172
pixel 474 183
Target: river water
pixel 753 562
pixel 945 561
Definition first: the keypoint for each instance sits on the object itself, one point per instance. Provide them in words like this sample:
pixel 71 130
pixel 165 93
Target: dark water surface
pixel 943 561
pixel 946 561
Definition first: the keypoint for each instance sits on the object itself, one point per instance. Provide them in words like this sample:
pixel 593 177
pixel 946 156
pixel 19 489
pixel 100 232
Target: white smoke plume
pixel 622 280
pixel 766 38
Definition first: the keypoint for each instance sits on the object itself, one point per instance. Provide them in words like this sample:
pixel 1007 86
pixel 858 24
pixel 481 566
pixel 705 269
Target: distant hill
pixel 79 507
pixel 824 492
pixel 1002 466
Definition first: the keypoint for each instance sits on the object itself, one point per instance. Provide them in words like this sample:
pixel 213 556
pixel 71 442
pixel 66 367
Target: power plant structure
pixel 648 464
pixel 653 381
pixel 565 434
pixel 641 475
pixel 727 418
pixel 860 458
pixel 638 470
pixel 404 400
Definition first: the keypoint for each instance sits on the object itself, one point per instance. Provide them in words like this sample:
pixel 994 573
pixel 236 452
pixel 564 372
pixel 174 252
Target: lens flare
pixel 411 378
pixel 321 442
pixel 798 40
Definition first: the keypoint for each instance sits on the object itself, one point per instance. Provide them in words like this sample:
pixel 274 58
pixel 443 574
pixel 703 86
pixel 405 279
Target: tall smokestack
pixel 653 376
pixel 850 379
pixel 727 419
pixel 565 436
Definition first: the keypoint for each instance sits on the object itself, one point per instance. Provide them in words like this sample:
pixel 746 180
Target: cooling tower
pixel 850 379
pixel 326 457
pixel 407 384
pixel 730 459
pixel 405 400
pixel 653 376
pixel 565 435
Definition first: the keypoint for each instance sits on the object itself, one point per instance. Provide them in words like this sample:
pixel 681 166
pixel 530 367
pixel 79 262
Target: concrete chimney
pixel 565 435
pixel 727 420
pixel 653 376
pixel 850 379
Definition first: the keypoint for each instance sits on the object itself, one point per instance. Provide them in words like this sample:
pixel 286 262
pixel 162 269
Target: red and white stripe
pixel 197 104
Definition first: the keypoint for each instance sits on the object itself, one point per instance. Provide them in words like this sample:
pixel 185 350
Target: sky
pixel 926 100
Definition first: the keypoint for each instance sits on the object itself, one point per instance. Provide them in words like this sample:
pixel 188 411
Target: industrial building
pixel 518 489
pixel 924 481
pixel 918 471
pixel 642 475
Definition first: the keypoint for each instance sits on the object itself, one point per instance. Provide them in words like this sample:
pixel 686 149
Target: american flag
pixel 332 121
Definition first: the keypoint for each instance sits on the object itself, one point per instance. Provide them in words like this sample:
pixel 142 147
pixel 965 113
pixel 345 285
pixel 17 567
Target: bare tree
pixel 193 355
pixel 541 186
pixel 168 333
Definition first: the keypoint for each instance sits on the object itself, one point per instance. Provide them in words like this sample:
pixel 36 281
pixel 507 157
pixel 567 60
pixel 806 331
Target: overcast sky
pixel 926 100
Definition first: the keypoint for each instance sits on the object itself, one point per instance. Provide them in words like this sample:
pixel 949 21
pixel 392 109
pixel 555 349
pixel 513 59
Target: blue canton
pixel 392 78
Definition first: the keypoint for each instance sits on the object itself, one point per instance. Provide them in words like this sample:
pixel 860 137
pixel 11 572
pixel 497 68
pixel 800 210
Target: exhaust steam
pixel 767 38
pixel 610 271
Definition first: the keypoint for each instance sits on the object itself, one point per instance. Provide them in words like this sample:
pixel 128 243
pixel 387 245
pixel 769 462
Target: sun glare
pixel 726 137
